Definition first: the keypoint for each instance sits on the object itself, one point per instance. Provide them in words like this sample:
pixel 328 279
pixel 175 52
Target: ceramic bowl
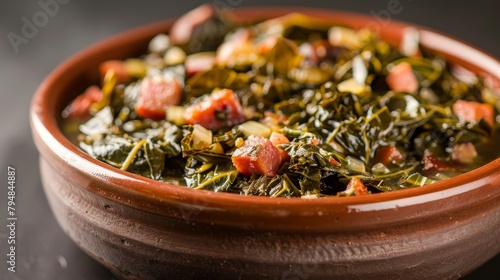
pixel 143 229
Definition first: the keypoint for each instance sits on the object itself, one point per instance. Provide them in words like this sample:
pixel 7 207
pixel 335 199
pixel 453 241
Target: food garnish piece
pixel 183 27
pixel 221 109
pixel 278 139
pixel 156 95
pixel 432 162
pixel 118 66
pixel 402 79
pixel 236 50
pixel 464 153
pixel 255 128
pixel 258 155
pixel 388 155
pixel 356 186
pixel 471 111
pixel 79 108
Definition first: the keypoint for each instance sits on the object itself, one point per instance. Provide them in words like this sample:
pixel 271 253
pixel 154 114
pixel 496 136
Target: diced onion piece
pixel 159 43
pixel 216 148
pixel 337 147
pixel 355 164
pixel 359 70
pixel 343 37
pixel 306 50
pixel 255 128
pixel 463 74
pixel 154 60
pixel 249 112
pixel 309 75
pixel 202 137
pixel 410 42
pixel 174 56
pixel 135 67
pixel 352 86
pixel 175 115
pixel 380 168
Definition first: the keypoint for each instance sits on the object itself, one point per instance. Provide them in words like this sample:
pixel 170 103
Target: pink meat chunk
pixel 258 155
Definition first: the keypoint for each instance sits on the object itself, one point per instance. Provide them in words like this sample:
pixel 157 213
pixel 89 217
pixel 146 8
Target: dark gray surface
pixel 43 251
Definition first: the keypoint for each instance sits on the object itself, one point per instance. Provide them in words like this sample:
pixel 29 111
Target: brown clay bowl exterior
pixel 143 229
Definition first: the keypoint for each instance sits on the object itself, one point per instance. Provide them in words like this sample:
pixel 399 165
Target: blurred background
pixel 27 55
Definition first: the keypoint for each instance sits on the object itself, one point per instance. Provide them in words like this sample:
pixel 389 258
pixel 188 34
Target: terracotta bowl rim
pixel 45 126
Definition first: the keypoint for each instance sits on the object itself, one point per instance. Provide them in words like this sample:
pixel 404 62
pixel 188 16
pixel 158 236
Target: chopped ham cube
pixel 156 95
pixel 402 79
pixel 118 66
pixel 199 62
pixel 464 153
pixel 356 185
pixel 258 155
pixel 238 46
pixel 277 138
pixel 334 161
pixel 388 155
pixel 79 108
pixel 183 28
pixel 314 141
pixel 471 111
pixel 221 109
pixel 431 162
